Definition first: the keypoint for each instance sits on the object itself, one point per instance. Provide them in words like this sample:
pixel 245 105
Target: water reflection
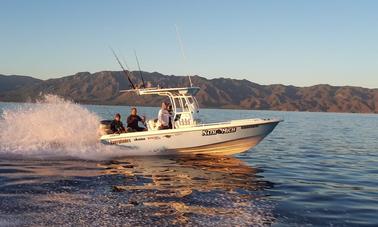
pixel 184 190
pixel 191 188
pixel 188 173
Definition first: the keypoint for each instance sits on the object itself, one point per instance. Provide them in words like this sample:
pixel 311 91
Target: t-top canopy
pixel 191 91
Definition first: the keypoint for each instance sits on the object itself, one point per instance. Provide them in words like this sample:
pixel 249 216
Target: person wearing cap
pixel 116 126
pixel 164 116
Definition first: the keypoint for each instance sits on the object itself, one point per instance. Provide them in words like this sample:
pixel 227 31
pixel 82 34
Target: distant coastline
pixel 102 88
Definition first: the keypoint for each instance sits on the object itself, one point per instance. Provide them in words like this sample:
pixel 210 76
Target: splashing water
pixel 53 127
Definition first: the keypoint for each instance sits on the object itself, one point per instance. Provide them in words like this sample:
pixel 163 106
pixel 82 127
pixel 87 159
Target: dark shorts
pixel 137 129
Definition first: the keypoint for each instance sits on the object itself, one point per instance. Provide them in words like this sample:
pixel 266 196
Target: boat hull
pixel 212 139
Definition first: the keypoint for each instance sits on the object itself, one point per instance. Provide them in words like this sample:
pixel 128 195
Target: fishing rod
pixel 131 72
pixel 182 51
pixel 140 71
pixel 127 73
pixel 127 67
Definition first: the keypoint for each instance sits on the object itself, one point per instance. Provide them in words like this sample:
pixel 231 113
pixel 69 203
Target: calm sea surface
pixel 316 169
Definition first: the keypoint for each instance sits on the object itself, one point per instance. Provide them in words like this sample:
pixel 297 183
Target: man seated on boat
pixel 132 121
pixel 116 126
pixel 164 117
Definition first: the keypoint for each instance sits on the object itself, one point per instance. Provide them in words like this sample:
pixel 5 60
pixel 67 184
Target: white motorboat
pixel 188 135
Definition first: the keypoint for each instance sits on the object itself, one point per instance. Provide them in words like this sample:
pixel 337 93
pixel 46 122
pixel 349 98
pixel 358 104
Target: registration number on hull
pixel 212 132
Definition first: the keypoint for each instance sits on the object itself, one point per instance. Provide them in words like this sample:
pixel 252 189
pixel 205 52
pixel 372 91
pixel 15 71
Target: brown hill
pixel 103 88
pixel 8 83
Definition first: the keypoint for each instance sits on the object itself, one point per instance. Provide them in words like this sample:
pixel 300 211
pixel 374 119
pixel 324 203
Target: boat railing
pixel 231 122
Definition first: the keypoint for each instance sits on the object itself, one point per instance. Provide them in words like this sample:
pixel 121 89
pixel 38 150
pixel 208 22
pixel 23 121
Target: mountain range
pixel 103 88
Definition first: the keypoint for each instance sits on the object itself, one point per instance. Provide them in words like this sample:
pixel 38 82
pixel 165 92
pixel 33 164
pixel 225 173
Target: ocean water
pixel 317 169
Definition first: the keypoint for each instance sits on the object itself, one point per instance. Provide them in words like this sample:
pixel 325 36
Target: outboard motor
pixel 105 127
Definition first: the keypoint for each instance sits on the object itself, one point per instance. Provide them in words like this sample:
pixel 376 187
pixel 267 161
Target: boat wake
pixel 54 128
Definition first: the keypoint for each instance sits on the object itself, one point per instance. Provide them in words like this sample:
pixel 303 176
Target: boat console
pixel 184 105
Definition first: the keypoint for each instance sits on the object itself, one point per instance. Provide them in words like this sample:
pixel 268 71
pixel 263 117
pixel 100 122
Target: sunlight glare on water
pixel 313 169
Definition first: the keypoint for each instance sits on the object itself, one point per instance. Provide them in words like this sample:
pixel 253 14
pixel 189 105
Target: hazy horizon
pixel 291 42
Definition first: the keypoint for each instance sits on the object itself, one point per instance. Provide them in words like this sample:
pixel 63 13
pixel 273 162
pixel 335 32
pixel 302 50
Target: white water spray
pixel 54 127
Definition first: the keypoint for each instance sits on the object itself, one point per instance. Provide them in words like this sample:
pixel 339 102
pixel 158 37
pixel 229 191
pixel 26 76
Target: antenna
pixel 182 51
pixel 127 73
pixel 140 71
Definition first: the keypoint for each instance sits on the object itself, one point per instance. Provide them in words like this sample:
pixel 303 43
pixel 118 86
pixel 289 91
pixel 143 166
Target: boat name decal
pixel 249 126
pixel 212 132
pixel 120 141
pixel 153 138
pixel 138 139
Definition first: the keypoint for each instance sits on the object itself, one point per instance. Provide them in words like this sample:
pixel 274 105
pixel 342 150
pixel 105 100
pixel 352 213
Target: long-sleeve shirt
pixel 117 126
pixel 132 122
pixel 163 117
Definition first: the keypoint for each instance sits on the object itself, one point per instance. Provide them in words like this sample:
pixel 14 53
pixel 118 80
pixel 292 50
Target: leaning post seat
pixel 153 124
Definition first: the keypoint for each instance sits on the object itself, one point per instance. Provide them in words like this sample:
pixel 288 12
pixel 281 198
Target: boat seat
pixel 153 124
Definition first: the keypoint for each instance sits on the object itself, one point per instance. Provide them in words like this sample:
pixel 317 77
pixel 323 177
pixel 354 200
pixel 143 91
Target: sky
pixel 291 42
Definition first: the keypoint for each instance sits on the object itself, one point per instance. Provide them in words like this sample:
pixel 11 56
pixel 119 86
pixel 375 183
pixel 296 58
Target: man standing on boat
pixel 164 117
pixel 170 111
